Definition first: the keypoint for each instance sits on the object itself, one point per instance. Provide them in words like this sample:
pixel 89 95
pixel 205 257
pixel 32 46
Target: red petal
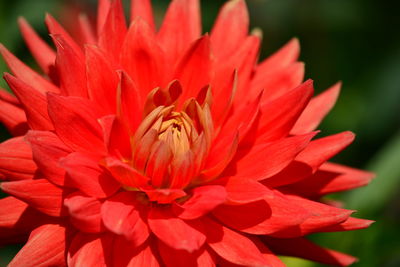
pixel 203 200
pixel 102 80
pixel 230 28
pixel 9 97
pixel 26 74
pixel 182 21
pixel 350 224
pixel 90 250
pixel 17 220
pixel 47 149
pixel 328 179
pixel 130 103
pixel 193 70
pixel 279 115
pixel 320 150
pixel 232 246
pixel 16 160
pixel 271 216
pixel 56 29
pixel 41 51
pixel 181 258
pixel 85 212
pixel 321 216
pixel 75 122
pixel 13 117
pixel 266 160
pixel 224 97
pixel 281 81
pixel 38 193
pixel 244 190
pixel 102 12
pixel 288 54
pixel 270 257
pixel 124 173
pixel 182 236
pixel 71 68
pixel 36 252
pixel 85 174
pixel 128 254
pixel 244 60
pixel 142 58
pixel 113 31
pixel 122 214
pixel 220 156
pixel 143 9
pixel 33 102
pixel 316 110
pixel 164 196
pixel 302 248
pixel 311 158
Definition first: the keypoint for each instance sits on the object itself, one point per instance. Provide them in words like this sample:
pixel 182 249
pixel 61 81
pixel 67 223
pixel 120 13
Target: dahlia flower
pixel 145 147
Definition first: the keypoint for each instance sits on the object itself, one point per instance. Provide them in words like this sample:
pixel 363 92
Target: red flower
pixel 152 148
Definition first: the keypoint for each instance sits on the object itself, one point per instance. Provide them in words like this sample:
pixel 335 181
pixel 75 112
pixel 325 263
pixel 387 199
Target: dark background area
pixel 355 41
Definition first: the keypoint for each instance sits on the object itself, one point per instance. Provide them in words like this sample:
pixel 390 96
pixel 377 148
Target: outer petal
pixel 266 160
pixel 232 246
pixel 17 220
pixel 26 74
pixel 244 190
pixel 123 215
pixel 128 254
pixel 70 65
pixel 130 103
pixel 114 30
pixel 47 150
pixel 281 81
pixel 33 102
pixel 271 216
pixel 193 70
pixel 328 179
pixel 302 248
pixel 124 173
pixel 311 158
pixel 204 199
pixel 231 27
pixel 36 254
pixel 56 29
pixel 13 117
pixel 183 237
pixel 90 250
pixel 39 193
pixel 143 9
pixel 85 212
pixel 102 80
pixel 75 122
pixel 322 216
pixel 142 58
pixel 16 160
pixel 85 174
pixel 41 51
pixel 349 225
pixel 285 56
pixel 279 115
pixel 182 258
pixel 182 21
pixel 316 110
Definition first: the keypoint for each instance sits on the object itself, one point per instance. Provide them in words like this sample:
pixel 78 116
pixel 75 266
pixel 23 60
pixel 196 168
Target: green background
pixel 355 41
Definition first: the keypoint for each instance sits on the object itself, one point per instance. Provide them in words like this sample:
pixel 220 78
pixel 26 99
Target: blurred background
pixel 355 41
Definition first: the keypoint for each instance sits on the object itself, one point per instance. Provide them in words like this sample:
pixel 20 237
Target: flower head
pixel 145 147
